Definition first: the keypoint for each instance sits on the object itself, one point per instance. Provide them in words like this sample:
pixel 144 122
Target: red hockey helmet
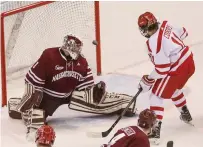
pixel 72 45
pixel 147 22
pixel 45 135
pixel 147 119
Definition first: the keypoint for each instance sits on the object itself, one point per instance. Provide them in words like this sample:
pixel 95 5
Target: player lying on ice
pixel 45 136
pixel 62 76
pixel 173 63
pixel 134 136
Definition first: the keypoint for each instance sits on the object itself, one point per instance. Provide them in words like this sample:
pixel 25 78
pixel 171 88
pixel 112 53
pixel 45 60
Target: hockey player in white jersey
pixel 173 66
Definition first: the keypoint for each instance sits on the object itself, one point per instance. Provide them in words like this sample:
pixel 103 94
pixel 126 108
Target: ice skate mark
pixel 195 44
pixel 116 71
pixel 18 138
pixel 63 123
pixel 74 123
pixel 125 74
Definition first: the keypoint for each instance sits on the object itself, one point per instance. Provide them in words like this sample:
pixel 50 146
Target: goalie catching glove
pixel 146 83
pixel 99 91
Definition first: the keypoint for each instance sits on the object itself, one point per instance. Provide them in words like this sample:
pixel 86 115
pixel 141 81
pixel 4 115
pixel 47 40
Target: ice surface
pixel 71 126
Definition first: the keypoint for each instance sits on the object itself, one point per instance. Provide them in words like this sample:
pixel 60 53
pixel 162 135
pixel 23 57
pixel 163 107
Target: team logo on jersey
pixel 72 74
pixel 58 67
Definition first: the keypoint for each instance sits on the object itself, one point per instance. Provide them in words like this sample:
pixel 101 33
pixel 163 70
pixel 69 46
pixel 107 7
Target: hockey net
pixel 26 31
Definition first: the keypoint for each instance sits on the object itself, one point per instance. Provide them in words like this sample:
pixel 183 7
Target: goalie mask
pixel 147 22
pixel 45 136
pixel 72 46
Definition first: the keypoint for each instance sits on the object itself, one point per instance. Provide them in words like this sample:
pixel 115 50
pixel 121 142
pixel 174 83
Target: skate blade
pixel 155 141
pixel 190 123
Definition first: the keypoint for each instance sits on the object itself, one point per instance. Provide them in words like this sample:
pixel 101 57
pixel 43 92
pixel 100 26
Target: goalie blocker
pixel 34 108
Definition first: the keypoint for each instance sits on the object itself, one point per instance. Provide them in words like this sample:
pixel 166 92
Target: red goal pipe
pixel 97 28
pixel 3 65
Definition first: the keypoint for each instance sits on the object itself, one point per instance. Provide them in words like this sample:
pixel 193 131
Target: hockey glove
pixel 146 83
pixel 98 92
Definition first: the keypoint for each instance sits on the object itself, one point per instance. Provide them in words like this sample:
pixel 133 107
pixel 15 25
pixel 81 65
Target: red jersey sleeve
pixel 181 32
pixel 37 73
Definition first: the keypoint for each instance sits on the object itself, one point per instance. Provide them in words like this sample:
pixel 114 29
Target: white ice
pixel 71 126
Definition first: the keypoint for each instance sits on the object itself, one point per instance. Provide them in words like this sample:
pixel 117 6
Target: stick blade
pixel 170 144
pixel 94 134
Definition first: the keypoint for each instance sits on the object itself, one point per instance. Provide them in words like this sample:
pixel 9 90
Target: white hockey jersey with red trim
pixel 167 50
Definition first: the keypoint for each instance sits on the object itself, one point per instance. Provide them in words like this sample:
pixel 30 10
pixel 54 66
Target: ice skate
pixel 154 136
pixel 186 116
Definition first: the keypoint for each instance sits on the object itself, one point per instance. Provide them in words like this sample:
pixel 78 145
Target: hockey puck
pixel 94 42
pixel 170 144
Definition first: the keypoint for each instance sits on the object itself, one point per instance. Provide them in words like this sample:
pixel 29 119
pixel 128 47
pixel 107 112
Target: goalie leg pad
pixel 113 102
pixel 12 105
pixel 32 97
pixel 33 118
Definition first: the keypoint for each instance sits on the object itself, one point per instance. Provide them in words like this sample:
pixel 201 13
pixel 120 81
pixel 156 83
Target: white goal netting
pixel 28 33
pixel 11 5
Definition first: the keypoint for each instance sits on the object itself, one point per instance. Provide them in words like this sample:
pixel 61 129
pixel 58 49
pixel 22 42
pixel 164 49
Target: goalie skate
pixel 30 134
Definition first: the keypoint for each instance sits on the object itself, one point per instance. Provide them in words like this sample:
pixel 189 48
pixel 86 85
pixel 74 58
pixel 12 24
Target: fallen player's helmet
pixel 72 46
pixel 147 119
pixel 146 23
pixel 45 135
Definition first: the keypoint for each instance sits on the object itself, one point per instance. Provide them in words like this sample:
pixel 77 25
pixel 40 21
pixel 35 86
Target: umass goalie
pixel 62 76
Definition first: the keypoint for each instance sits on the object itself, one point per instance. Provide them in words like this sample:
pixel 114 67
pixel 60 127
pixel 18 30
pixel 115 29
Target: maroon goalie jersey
pixel 57 76
pixel 131 136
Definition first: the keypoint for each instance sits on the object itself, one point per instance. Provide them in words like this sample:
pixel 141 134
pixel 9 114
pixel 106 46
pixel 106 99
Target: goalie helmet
pixel 147 119
pixel 146 23
pixel 72 46
pixel 45 135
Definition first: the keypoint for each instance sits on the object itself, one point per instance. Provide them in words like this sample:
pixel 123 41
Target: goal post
pixel 26 31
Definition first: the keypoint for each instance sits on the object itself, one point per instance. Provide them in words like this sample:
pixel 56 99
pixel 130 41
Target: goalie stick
pixel 169 144
pixel 106 133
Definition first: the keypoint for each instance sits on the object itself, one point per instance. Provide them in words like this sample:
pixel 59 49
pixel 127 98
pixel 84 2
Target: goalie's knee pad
pixel 12 111
pixel 33 118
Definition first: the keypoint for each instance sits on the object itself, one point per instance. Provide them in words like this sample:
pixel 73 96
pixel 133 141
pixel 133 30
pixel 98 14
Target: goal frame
pixel 32 6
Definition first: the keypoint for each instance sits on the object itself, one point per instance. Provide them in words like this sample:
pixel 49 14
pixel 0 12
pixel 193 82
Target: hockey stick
pixel 169 144
pixel 106 133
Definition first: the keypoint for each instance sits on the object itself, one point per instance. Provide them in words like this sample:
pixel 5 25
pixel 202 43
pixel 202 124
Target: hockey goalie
pixel 62 76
